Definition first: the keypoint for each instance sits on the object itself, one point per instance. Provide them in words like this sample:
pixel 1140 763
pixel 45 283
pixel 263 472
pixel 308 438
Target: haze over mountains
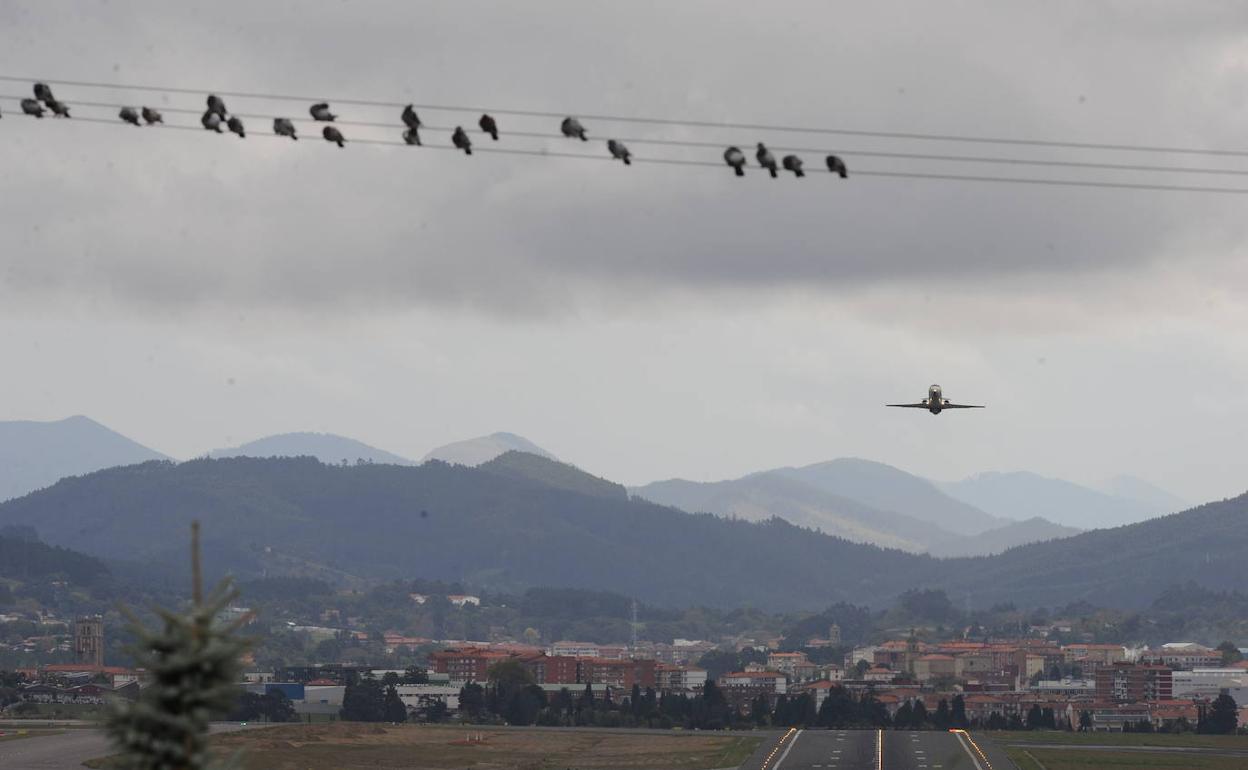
pixel 523 521
pixel 859 500
pixel 325 447
pixel 474 451
pixel 34 454
pixel 1024 495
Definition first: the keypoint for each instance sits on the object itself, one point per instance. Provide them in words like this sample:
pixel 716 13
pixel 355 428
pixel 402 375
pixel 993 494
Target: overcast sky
pixel 194 291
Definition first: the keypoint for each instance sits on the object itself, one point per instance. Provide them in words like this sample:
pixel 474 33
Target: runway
pixel 887 750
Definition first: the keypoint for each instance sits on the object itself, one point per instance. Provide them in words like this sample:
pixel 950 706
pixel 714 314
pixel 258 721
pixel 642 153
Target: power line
pixel 542 153
pixel 911 135
pixel 642 141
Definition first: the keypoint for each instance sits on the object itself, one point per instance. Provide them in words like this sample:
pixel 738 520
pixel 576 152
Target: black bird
pixel 130 115
pixel 794 164
pixel 411 136
pixel 32 107
pixel 152 116
pixel 43 92
pixel 735 158
pixel 837 166
pixel 283 127
pixel 332 134
pixel 618 150
pixel 211 121
pixel 59 109
pixel 216 105
pixel 489 126
pixel 572 127
pixel 460 139
pixel 411 119
pixel 766 159
pixel 320 111
pixel 235 124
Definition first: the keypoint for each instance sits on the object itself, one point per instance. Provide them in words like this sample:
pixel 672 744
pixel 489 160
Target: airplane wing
pixel 920 405
pixel 948 405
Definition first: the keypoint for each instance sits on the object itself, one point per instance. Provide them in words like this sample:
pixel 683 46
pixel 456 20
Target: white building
pixel 417 696
pixel 1209 682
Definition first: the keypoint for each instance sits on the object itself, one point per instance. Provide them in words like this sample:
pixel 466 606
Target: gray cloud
pixel 174 220
pixel 653 320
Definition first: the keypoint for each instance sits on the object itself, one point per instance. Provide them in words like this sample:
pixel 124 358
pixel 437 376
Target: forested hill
pixel 1126 566
pixel 23 559
pixel 297 516
pixel 508 531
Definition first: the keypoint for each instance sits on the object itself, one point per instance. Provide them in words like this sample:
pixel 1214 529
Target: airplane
pixel 935 402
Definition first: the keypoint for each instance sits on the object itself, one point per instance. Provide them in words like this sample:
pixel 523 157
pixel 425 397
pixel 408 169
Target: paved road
pixel 66 751
pixel 887 750
pixel 61 752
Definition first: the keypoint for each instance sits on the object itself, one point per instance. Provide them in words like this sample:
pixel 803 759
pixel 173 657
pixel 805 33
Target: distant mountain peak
pixel 552 473
pixel 1024 494
pixel 476 451
pixel 38 453
pixel 326 447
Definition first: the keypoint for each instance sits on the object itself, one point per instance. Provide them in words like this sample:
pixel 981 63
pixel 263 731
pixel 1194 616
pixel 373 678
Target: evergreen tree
pixel 1035 717
pixel 364 700
pixel 1085 721
pixel 838 708
pixel 392 707
pixel 192 666
pixel 635 702
pixel 715 705
pixel 1221 718
pixel 941 718
pixel 958 712
pixel 760 710
pixel 920 714
pixel 904 717
pixel 471 699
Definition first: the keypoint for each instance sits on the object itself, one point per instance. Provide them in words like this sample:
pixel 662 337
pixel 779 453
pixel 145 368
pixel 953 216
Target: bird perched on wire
pixel 59 109
pixel 735 158
pixel 572 127
pixel 619 151
pixel 43 92
pixel 410 118
pixel 32 107
pixel 837 166
pixel 216 105
pixel 320 111
pixel 235 124
pixel 211 121
pixel 130 115
pixel 794 164
pixel 151 116
pixel 283 127
pixel 489 126
pixel 766 159
pixel 332 134
pixel 460 140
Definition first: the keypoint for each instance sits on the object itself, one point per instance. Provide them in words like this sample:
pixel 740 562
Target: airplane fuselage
pixel 934 399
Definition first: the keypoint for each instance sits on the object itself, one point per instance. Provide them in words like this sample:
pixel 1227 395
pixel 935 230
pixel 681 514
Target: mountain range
pixel 475 451
pixel 1028 495
pixel 860 500
pixel 34 454
pixel 325 447
pixel 520 521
